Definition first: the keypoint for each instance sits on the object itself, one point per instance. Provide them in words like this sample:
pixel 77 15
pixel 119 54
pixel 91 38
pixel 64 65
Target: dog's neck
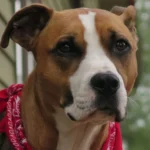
pixel 78 136
pixel 56 130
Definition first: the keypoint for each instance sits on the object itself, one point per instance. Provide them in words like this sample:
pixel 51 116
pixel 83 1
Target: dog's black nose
pixel 106 84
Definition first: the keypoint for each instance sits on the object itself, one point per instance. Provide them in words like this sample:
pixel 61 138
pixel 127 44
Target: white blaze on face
pixel 95 61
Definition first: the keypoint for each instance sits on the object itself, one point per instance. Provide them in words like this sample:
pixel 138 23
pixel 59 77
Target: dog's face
pixel 89 54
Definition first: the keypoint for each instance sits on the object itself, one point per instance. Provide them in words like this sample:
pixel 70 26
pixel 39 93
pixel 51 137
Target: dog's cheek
pixel 127 68
pixel 131 75
pixel 131 82
pixel 66 97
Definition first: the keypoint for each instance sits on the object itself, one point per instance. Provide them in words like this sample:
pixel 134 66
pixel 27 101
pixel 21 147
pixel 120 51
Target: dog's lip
pixel 108 111
pixel 71 117
pixel 111 111
pixel 97 113
pixel 118 117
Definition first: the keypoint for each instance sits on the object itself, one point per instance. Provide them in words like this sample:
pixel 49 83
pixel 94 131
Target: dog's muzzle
pixel 106 86
pixel 100 92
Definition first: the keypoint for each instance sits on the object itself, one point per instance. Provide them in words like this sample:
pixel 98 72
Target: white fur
pixel 95 61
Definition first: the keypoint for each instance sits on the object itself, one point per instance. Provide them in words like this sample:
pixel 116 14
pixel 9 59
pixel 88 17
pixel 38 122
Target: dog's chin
pixel 96 117
pixel 118 116
pixel 99 116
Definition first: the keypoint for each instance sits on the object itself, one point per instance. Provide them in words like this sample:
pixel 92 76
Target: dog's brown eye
pixel 64 48
pixel 67 48
pixel 121 46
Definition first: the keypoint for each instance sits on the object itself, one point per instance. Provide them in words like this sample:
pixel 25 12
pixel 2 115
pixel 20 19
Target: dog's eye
pixel 67 48
pixel 121 46
pixel 64 48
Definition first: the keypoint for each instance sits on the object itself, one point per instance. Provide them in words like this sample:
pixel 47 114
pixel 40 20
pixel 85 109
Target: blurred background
pixel 16 64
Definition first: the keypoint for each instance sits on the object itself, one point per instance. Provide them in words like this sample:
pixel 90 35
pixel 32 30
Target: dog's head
pixel 89 54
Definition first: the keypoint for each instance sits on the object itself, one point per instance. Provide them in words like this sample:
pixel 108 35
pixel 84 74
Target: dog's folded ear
pixel 118 10
pixel 128 15
pixel 25 25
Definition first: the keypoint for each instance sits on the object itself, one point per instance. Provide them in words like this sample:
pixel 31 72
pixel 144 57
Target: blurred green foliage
pixel 136 127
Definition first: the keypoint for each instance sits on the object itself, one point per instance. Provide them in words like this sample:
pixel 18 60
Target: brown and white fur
pixel 70 47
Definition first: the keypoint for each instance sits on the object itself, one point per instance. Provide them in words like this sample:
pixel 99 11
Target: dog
pixel 85 69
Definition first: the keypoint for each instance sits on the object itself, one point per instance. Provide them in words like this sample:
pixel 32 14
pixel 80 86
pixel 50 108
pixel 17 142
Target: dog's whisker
pixel 133 102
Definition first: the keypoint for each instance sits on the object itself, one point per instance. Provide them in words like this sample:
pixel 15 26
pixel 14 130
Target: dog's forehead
pixel 72 16
pixel 70 22
pixel 71 13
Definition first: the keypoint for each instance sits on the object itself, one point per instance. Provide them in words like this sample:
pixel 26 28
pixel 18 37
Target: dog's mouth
pixel 106 107
pixel 71 116
pixel 108 112
pixel 110 108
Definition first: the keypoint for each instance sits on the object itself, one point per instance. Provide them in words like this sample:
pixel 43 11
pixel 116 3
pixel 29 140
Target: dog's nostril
pixel 114 83
pixel 106 84
pixel 100 85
